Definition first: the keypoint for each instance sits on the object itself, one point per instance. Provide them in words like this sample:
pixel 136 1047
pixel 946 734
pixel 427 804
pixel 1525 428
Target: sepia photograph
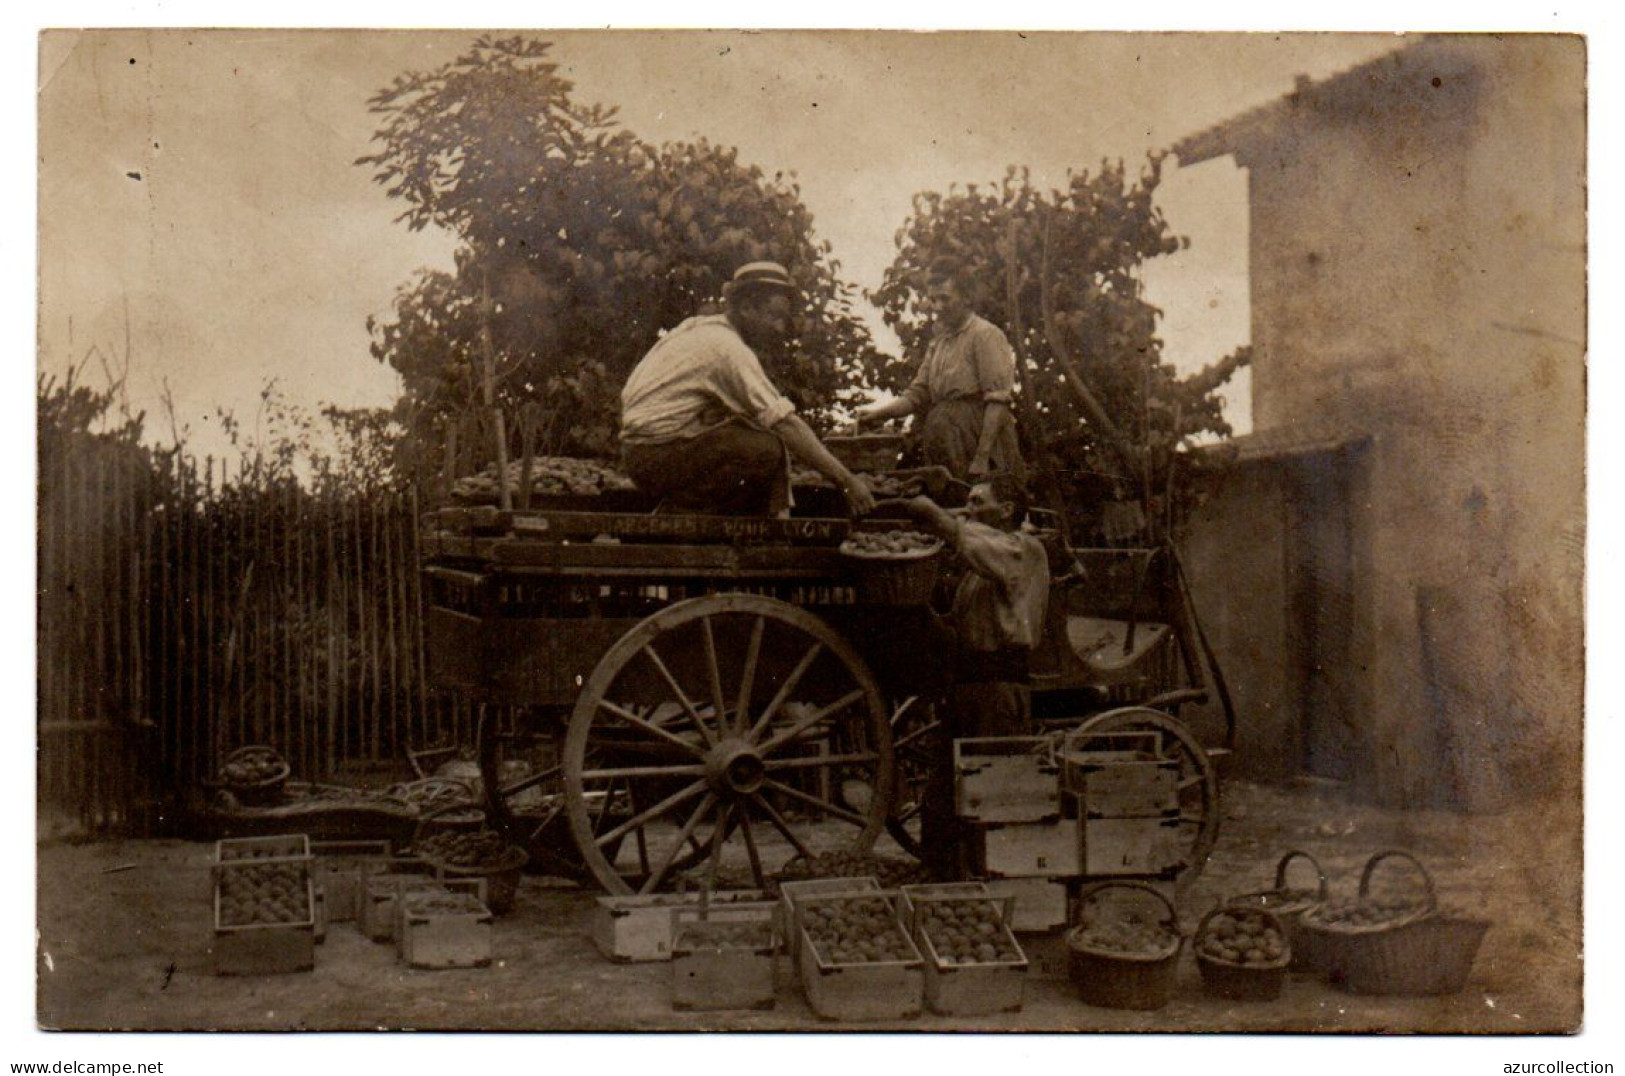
pixel 811 531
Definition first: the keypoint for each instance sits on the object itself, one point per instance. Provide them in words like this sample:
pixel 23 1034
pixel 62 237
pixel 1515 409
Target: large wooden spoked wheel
pixel 1198 780
pixel 734 730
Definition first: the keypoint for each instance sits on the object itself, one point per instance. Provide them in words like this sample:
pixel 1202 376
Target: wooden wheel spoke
pixel 747 678
pixel 531 781
pixel 681 696
pixel 750 848
pixel 713 672
pixel 782 826
pixel 670 855
pixel 817 804
pixel 815 718
pixel 784 691
pixel 553 812
pixel 636 821
pixel 604 811
pixel 685 770
pixel 719 837
pixel 806 762
pixel 1191 782
pixel 922 731
pixel 648 726
pixel 902 710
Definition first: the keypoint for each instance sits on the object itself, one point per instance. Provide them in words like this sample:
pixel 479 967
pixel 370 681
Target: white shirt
pixel 696 377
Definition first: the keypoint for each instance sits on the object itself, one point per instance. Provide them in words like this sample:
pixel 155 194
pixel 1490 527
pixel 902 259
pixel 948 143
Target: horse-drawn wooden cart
pixel 665 694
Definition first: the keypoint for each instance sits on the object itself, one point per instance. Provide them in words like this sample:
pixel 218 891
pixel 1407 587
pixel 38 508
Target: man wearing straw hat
pixel 702 426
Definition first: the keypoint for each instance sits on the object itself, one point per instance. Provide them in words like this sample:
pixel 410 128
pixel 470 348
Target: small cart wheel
pixel 1198 781
pixel 735 725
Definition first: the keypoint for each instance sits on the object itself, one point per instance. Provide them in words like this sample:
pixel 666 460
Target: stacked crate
pixel 1123 794
pixel 1007 791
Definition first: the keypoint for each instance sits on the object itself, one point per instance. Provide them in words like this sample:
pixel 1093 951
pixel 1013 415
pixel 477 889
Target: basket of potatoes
pixel 1123 952
pixel 893 567
pixel 1242 953
pixel 1398 944
pixel 1347 930
pixel 1288 903
pixel 256 775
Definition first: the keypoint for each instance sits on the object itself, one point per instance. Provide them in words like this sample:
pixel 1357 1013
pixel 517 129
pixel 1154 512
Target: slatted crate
pixel 433 937
pixel 859 992
pixel 937 890
pixel 980 989
pixel 637 929
pixel 339 869
pixel 1004 779
pixel 264 948
pixel 791 892
pixel 1031 849
pixel 726 964
pixel 381 893
pixel 1040 904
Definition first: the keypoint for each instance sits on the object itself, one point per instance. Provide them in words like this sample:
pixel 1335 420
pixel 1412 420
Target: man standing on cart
pixel 962 390
pixel 997 619
pixel 702 426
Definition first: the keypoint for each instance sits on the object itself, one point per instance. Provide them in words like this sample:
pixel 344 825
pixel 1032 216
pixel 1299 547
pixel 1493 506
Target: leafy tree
pixel 579 243
pixel 1058 270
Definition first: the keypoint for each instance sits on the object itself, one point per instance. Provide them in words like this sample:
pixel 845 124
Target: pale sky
pixel 251 247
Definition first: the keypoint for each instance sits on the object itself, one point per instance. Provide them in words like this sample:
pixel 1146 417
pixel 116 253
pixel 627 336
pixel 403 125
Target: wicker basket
pixel 501 877
pixel 259 793
pixel 1288 906
pixel 895 580
pixel 1338 946
pixel 1236 981
pixel 1428 957
pixel 1115 980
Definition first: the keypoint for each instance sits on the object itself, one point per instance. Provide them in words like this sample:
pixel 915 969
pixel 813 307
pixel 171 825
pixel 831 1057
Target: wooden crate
pixel 1124 789
pixel 434 939
pixel 287 846
pixel 1119 846
pixel 1040 904
pixel 1005 779
pixel 953 989
pixel 938 890
pixel 1032 849
pixel 877 990
pixel 712 972
pixel 637 929
pixel 339 868
pixel 265 948
pixel 791 892
pixel 418 888
pixel 380 896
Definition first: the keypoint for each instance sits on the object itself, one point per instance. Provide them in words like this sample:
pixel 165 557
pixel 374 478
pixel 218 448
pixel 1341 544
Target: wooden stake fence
pixel 184 612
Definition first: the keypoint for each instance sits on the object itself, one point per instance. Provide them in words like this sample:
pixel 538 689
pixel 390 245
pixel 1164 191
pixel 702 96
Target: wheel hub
pixel 733 767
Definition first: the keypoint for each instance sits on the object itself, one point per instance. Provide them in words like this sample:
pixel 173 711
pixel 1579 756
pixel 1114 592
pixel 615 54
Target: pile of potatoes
pixel 548 475
pixel 890 545
pixel 966 932
pixel 258 893
pixel 856 930
pixel 1239 936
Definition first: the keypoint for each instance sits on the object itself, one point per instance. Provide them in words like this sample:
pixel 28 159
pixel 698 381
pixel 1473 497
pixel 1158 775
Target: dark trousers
pixel 977 708
pixel 733 469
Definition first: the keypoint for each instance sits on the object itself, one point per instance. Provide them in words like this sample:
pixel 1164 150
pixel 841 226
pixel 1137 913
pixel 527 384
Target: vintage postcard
pixel 811 531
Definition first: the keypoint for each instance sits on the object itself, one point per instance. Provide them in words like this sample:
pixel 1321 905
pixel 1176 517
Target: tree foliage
pixel 579 243
pixel 1059 271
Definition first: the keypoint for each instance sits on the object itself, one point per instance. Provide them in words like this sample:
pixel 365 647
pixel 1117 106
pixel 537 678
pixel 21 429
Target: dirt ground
pixel 129 949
